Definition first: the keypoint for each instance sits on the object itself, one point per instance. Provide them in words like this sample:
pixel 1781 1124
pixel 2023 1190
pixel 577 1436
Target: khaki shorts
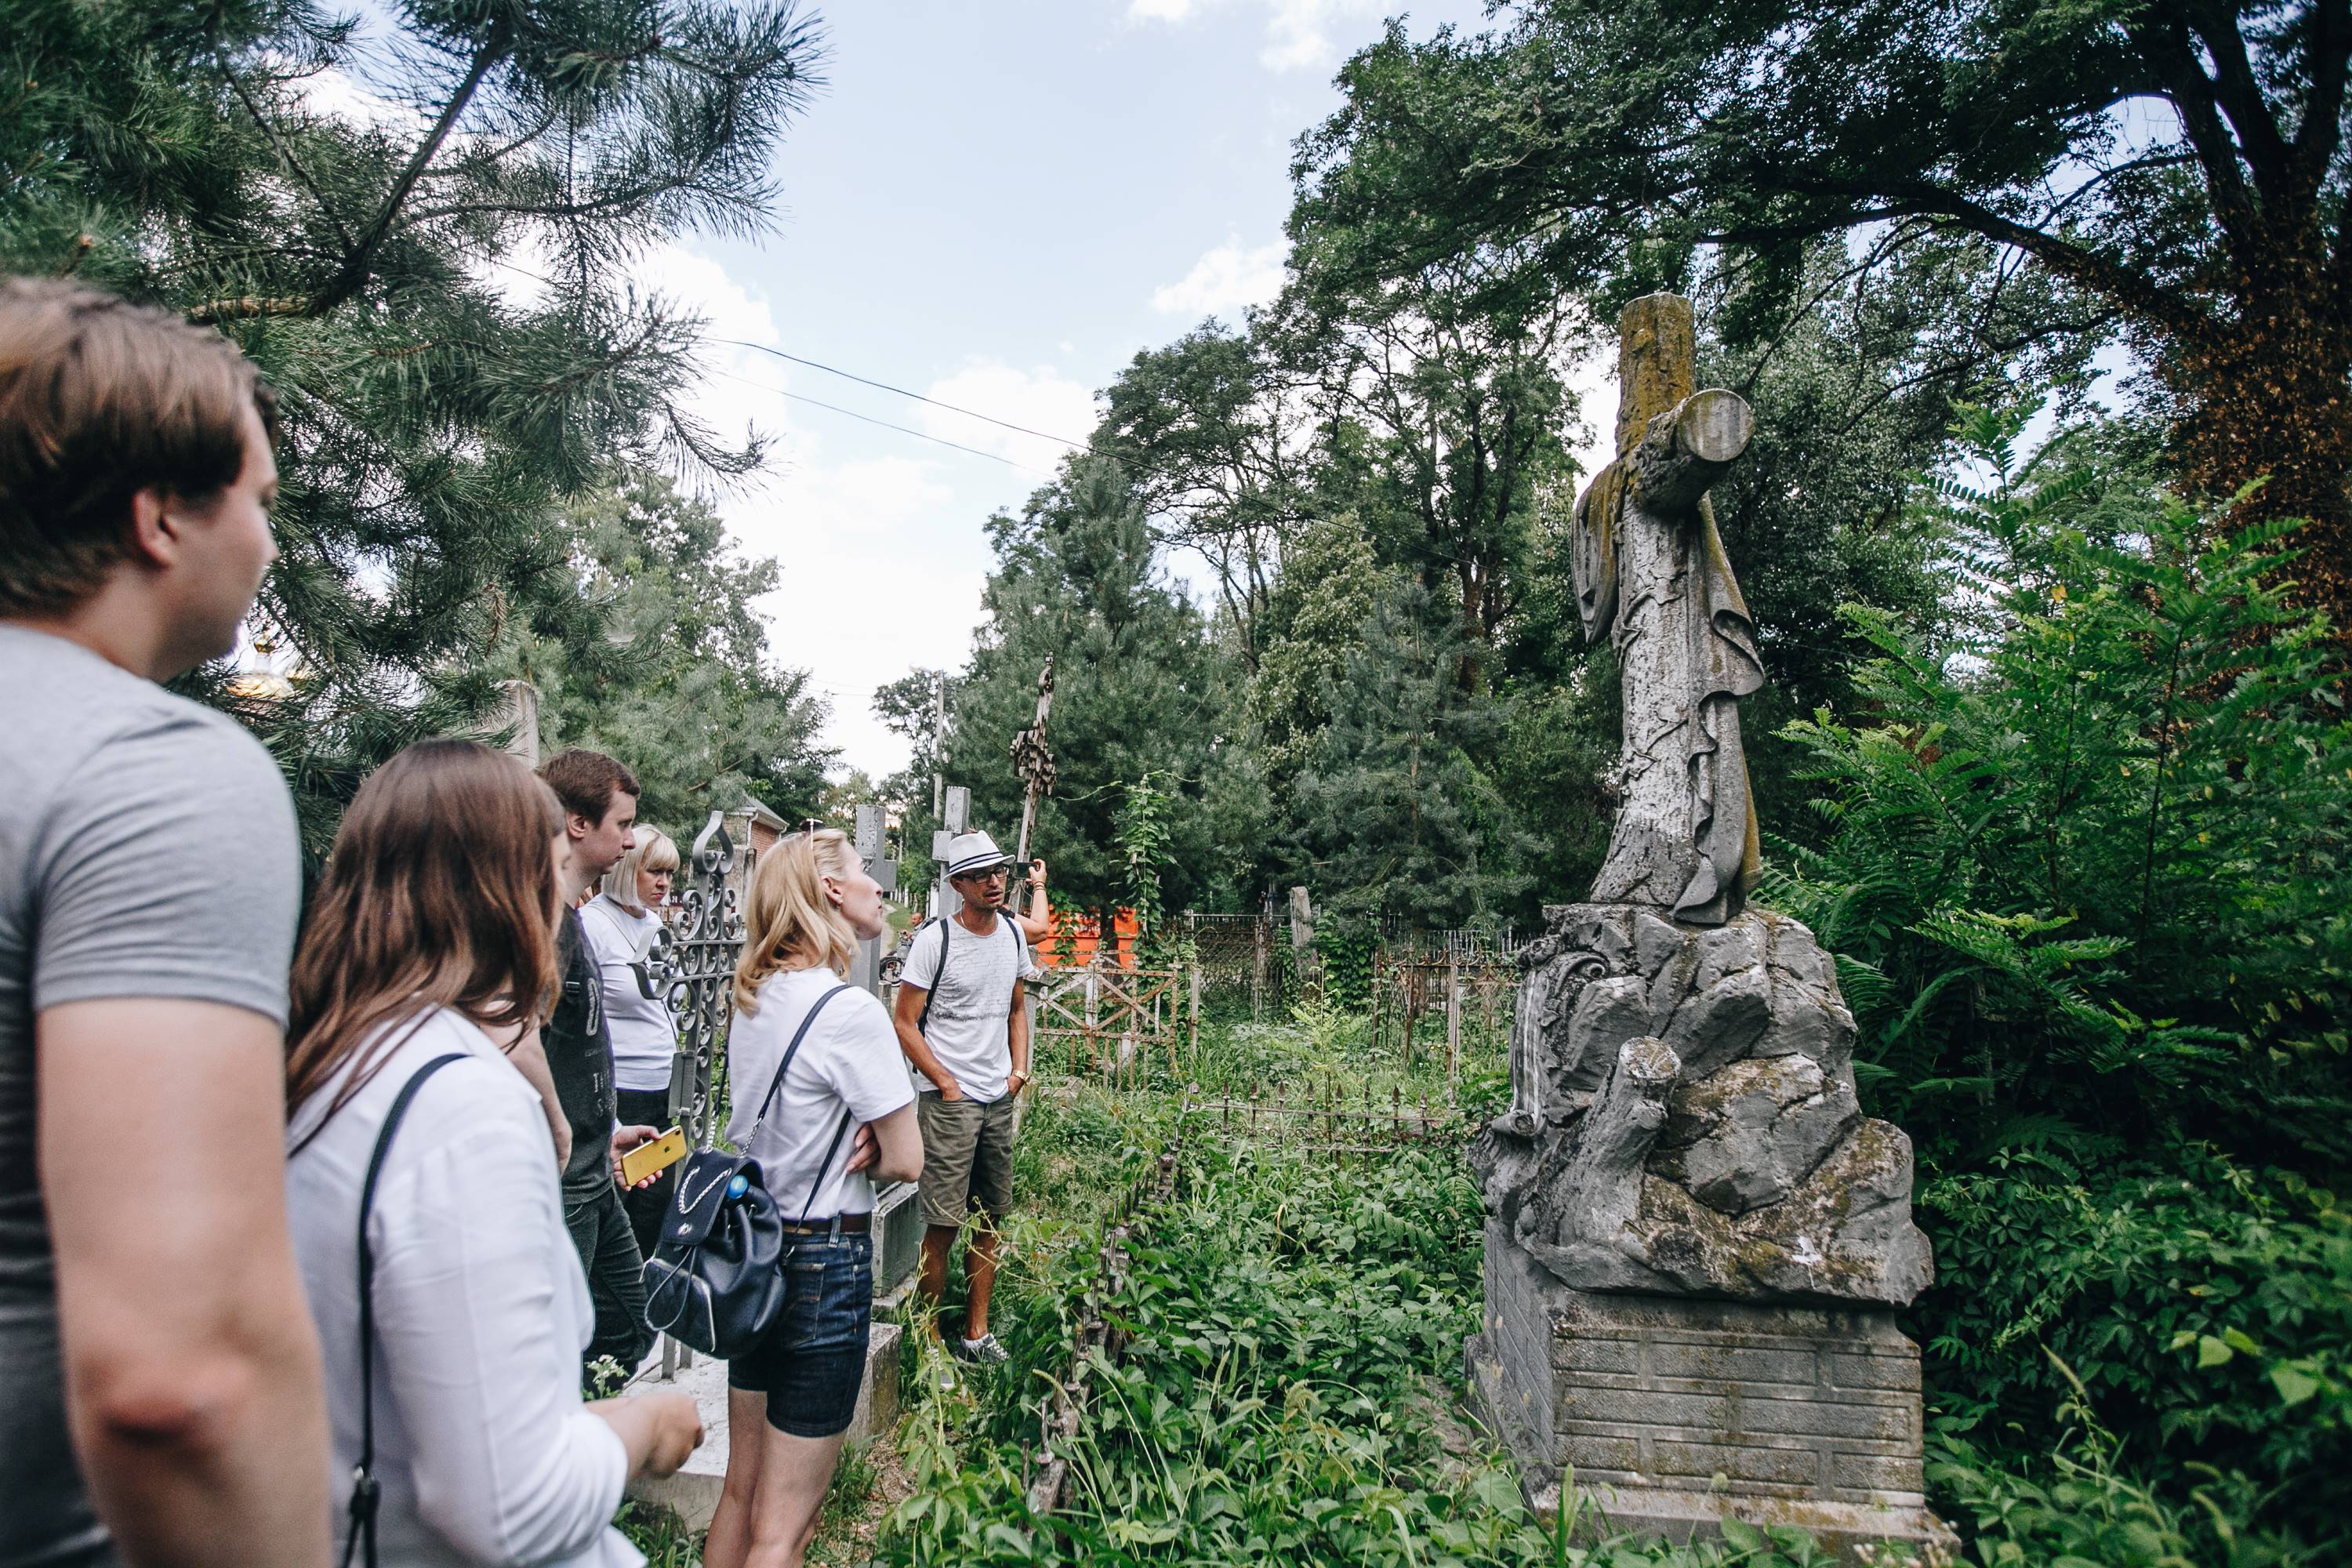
pixel 967 1155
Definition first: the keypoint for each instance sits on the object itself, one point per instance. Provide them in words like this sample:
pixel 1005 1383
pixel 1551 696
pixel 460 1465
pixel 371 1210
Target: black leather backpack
pixel 715 1280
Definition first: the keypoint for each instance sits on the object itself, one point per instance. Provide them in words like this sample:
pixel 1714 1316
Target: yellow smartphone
pixel 647 1158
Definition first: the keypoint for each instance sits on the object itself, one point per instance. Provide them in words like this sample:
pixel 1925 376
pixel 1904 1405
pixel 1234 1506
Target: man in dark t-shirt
pixel 600 809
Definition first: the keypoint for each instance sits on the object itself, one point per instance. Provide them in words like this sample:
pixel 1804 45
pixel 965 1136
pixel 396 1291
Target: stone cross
pixel 865 970
pixel 1696 1243
pixel 1652 578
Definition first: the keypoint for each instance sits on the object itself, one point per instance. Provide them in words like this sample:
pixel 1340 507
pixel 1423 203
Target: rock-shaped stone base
pixel 1810 1414
pixel 1683 1118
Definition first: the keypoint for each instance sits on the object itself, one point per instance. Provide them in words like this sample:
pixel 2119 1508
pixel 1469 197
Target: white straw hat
pixel 970 852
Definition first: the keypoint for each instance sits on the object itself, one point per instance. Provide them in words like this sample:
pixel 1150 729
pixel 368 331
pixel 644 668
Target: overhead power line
pixel 868 418
pixel 878 385
pixel 902 392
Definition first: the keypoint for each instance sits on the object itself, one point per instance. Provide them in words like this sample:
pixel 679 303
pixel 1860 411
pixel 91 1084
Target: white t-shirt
pixel 483 1448
pixel 968 1026
pixel 645 1035
pixel 849 1061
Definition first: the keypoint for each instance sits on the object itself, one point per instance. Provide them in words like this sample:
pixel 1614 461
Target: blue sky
pixel 997 205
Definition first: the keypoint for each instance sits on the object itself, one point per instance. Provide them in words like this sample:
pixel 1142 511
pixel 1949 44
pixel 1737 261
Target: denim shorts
pixel 812 1360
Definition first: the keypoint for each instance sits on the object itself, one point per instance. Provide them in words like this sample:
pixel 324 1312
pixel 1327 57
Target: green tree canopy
pixel 673 676
pixel 1141 692
pixel 2176 170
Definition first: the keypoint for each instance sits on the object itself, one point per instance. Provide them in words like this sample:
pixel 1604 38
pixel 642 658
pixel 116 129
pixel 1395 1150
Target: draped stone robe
pixel 1652 576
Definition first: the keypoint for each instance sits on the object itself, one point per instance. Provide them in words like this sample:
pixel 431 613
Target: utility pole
pixel 939 741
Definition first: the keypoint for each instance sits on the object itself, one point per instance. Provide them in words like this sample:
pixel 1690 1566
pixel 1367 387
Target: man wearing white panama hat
pixel 962 1025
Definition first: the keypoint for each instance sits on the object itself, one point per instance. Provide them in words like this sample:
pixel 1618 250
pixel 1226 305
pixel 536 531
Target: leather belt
pixel 840 1225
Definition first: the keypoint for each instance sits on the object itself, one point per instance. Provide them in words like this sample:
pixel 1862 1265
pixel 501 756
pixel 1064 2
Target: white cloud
pixel 1300 35
pixel 741 394
pixel 881 572
pixel 1042 399
pixel 338 93
pixel 1224 280
pixel 1593 378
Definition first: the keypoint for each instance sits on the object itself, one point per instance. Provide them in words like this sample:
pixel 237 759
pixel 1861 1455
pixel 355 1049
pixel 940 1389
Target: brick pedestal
pixel 1808 1415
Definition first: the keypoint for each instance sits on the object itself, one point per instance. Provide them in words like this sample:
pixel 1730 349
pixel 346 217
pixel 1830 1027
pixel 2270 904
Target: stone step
pixel 693 1491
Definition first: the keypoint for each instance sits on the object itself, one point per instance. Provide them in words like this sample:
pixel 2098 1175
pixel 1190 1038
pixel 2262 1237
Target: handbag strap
pixel 825 1165
pixel 365 1490
pixel 790 1051
pixel 777 1083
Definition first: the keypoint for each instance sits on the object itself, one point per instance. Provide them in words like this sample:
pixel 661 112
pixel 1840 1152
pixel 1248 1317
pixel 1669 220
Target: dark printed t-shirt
pixel 580 1059
pixel 147 849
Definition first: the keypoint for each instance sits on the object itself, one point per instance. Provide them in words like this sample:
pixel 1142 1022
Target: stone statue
pixel 1652 577
pixel 1696 1241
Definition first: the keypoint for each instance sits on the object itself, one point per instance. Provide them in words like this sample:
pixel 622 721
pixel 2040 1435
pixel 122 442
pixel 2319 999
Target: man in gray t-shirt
pixel 962 1026
pixel 159 1376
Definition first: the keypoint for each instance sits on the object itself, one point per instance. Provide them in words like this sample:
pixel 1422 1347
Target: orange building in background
pixel 1076 938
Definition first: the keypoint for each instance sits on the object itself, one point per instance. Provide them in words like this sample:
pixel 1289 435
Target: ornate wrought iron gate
pixel 696 960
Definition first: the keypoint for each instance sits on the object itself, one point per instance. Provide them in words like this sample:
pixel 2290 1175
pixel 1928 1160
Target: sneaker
pixel 983 1349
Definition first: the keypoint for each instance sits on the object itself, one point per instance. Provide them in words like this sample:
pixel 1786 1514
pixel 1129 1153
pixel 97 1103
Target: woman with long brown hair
pixel 808 1058
pixel 431 937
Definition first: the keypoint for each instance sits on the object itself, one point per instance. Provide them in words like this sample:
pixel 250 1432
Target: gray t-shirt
pixel 969 1027
pixel 147 848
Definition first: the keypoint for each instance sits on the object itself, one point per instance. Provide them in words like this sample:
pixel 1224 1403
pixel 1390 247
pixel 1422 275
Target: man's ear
pixel 576 826
pixel 156 536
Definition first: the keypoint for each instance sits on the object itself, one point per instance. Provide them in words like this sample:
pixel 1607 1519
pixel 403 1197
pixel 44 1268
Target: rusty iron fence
pixel 1117 1022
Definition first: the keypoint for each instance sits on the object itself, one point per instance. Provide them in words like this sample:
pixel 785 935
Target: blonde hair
pixel 653 852
pixel 793 924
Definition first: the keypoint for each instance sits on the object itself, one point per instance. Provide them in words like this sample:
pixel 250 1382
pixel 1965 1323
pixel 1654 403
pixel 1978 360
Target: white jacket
pixel 485 1450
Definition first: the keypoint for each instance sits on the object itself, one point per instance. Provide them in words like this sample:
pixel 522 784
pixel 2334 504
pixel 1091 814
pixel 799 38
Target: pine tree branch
pixel 556 211
pixel 262 123
pixel 359 260
pixel 246 307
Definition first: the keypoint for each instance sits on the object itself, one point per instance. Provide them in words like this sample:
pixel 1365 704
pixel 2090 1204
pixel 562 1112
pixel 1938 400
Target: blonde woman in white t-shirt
pixel 790 1398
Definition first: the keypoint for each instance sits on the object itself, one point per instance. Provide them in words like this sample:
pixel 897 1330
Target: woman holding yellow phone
pixel 623 923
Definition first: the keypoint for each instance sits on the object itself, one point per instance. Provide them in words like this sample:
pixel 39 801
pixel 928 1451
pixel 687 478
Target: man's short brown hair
pixel 584 782
pixel 100 399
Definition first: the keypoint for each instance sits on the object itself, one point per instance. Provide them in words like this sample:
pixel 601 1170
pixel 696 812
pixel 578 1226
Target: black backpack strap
pixel 789 1052
pixel 778 1082
pixel 825 1165
pixel 939 975
pixel 366 1491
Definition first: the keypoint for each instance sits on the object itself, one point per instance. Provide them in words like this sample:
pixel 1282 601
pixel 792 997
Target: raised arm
pixel 192 1369
pixel 1036 917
